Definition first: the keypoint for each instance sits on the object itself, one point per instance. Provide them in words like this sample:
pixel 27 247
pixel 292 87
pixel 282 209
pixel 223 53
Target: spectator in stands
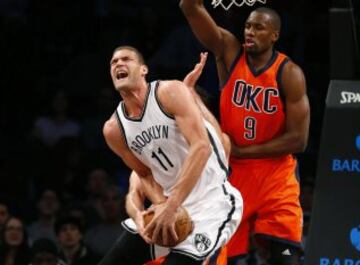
pixel 77 211
pixel 69 231
pixel 4 215
pixel 98 180
pixel 44 252
pixel 92 137
pixel 102 236
pixel 51 128
pixel 15 249
pixel 48 206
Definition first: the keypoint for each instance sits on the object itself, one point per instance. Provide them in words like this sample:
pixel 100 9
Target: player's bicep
pixel 297 118
pixel 179 102
pixel 116 141
pixel 297 102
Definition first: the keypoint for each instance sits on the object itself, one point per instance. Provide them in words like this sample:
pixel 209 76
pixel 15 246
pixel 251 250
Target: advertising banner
pixel 334 235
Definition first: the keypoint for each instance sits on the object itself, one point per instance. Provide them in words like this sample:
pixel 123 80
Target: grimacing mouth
pixel 121 74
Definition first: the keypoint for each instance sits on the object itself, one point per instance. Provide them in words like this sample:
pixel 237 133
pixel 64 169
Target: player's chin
pixel 116 86
pixel 119 87
pixel 251 50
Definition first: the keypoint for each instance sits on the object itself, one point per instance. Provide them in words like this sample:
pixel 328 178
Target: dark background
pixel 65 45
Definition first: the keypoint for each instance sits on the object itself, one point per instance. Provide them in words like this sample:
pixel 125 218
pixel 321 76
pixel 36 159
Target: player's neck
pixel 259 61
pixel 134 99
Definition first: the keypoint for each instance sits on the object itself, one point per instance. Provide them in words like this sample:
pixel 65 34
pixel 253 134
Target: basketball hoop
pixel 238 3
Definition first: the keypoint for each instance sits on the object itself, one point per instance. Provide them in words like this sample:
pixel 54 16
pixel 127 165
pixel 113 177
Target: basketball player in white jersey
pixel 159 132
pixel 138 249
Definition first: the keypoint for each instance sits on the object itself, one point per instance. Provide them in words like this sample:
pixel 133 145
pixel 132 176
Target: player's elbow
pixel 204 149
pixel 299 148
pixel 300 143
pixel 106 129
pixel 109 131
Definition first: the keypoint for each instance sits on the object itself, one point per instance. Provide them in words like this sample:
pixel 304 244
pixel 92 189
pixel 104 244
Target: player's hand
pixel 192 77
pixel 139 221
pixel 162 224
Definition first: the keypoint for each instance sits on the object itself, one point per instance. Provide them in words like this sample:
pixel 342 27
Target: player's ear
pixel 275 36
pixel 144 69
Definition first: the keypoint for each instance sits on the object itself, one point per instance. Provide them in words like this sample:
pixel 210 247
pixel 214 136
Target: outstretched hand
pixel 192 77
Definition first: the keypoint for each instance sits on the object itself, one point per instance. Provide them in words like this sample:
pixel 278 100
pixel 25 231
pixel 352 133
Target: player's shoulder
pixel 171 94
pixel 169 88
pixel 291 68
pixel 168 85
pixel 293 79
pixel 111 127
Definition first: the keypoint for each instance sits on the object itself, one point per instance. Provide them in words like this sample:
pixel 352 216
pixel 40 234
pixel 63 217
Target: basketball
pixel 183 227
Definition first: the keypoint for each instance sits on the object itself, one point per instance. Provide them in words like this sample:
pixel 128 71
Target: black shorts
pixel 130 248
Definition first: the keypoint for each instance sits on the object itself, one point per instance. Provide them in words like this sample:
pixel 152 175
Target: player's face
pixel 126 69
pixel 259 33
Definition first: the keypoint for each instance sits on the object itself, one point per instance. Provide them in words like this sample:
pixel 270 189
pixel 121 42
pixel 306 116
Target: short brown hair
pixel 131 48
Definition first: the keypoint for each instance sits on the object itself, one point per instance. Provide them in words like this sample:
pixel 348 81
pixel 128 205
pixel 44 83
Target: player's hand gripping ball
pixel 183 227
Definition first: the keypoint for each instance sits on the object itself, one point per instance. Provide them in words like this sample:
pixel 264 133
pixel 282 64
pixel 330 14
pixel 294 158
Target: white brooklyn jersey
pixel 155 139
pixel 214 205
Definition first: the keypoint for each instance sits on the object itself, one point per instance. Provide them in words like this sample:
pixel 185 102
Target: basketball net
pixel 238 3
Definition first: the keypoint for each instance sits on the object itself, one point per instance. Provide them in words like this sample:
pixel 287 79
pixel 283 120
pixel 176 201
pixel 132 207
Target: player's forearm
pixel 187 6
pixel 190 173
pixel 134 204
pixel 203 25
pixel 152 190
pixel 135 198
pixel 283 145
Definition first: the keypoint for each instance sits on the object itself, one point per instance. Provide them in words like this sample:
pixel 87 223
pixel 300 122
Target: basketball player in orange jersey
pixel 265 111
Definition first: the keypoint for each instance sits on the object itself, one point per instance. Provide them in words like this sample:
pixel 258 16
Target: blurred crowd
pixel 61 188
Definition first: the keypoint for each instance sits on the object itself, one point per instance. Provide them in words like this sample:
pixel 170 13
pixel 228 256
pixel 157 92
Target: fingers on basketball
pixel 183 227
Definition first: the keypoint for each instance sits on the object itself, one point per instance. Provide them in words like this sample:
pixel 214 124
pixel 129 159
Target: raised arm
pixel 219 41
pixel 295 137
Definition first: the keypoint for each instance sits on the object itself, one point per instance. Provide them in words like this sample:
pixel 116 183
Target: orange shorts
pixel 270 191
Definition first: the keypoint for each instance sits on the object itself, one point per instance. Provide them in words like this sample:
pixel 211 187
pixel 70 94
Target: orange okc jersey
pixel 251 106
pixel 253 112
